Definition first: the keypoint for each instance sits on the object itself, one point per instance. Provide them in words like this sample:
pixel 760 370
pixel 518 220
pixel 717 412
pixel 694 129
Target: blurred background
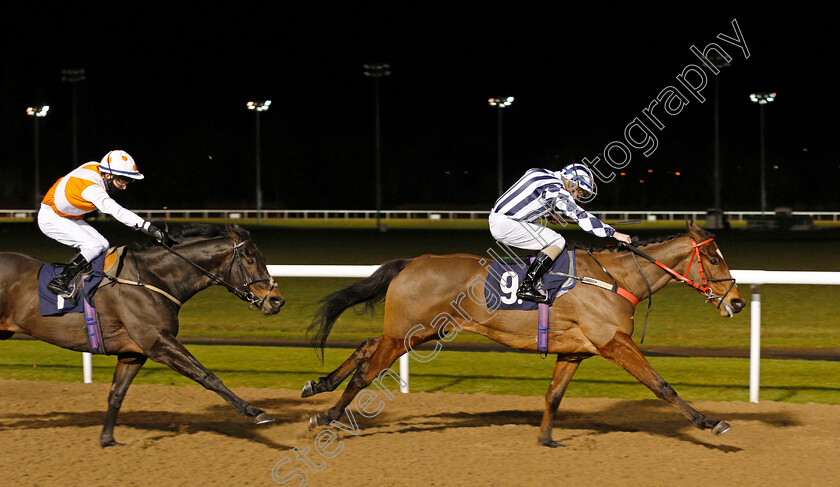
pixel 169 83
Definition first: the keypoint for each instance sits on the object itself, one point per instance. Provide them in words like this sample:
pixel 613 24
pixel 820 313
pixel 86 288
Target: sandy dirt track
pixel 188 436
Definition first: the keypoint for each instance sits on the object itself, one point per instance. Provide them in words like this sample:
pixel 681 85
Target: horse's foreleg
pixel 621 350
pixel 564 369
pixel 170 352
pixel 127 367
pixel 337 376
pixel 386 353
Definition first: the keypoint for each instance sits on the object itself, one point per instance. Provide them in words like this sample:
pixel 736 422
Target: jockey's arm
pixel 104 203
pixel 587 221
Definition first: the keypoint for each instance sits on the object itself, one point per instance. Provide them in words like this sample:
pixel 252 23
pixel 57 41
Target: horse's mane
pixel 192 230
pixel 620 248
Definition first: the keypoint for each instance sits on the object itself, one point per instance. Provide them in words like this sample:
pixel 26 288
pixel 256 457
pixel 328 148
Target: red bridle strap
pixel 695 251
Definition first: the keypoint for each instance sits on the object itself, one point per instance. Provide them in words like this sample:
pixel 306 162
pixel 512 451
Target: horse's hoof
pixel 551 444
pixel 112 442
pixel 263 418
pixel 315 421
pixel 308 389
pixel 721 428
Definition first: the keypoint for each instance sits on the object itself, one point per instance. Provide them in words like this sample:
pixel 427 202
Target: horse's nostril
pixel 738 303
pixel 277 302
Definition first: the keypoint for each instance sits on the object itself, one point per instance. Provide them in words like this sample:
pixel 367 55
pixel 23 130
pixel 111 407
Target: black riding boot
pixel 528 290
pixel 61 283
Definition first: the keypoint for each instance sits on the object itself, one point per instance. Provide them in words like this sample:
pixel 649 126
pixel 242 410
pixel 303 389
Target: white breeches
pixel 75 233
pixel 523 235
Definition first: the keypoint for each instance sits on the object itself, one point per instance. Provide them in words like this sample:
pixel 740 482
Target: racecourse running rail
pixel 754 277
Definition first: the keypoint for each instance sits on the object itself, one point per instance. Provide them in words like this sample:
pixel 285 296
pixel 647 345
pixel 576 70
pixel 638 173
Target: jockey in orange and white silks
pixel 80 192
pixel 542 194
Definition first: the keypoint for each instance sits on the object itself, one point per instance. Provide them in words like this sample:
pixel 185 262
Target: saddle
pixel 82 301
pixel 504 276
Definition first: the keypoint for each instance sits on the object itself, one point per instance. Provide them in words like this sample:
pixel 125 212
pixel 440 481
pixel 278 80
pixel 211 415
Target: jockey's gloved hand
pixel 160 235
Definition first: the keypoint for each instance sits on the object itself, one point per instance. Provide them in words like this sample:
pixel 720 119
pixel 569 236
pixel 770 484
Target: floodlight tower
pixel 258 107
pixel 37 113
pixel 719 62
pixel 377 71
pixel 762 98
pixel 500 102
pixel 74 76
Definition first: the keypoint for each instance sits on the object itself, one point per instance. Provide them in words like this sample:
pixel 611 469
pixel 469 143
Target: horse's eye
pixel 713 261
pixel 251 261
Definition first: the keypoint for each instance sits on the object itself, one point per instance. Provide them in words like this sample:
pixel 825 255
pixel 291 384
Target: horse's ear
pixel 689 225
pixel 238 233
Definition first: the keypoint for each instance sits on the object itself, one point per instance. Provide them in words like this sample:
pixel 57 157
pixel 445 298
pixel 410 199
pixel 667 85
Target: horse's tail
pixel 370 292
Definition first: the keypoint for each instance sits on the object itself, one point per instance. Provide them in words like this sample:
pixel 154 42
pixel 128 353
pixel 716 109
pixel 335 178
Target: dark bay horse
pixel 138 321
pixel 431 297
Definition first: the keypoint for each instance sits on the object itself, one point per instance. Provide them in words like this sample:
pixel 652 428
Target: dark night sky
pixel 169 85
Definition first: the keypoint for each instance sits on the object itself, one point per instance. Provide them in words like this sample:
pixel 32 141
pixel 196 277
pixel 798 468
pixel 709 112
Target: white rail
pixel 753 277
pixel 168 214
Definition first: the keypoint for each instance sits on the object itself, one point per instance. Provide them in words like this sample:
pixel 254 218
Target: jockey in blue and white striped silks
pixel 540 194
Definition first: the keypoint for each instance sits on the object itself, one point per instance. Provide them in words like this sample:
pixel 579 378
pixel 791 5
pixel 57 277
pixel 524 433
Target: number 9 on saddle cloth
pixel 504 277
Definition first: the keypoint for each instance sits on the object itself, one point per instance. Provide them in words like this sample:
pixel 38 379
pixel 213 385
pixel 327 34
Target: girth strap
pixel 147 286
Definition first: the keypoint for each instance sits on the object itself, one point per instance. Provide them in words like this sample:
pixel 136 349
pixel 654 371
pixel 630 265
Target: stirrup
pixel 65 291
pixel 530 293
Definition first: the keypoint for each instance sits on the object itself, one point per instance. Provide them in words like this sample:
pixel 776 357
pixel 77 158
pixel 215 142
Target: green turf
pixel 695 379
pixel 792 316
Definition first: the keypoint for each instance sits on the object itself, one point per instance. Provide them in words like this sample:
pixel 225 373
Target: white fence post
pixel 87 367
pixel 404 373
pixel 755 341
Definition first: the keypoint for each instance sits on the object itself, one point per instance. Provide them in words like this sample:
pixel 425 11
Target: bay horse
pixel 433 297
pixel 138 315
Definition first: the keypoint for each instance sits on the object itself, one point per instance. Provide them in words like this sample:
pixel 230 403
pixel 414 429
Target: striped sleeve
pixel 585 220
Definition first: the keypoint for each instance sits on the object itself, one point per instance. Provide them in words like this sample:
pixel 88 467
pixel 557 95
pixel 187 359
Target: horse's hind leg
pixel 386 353
pixel 621 350
pixel 128 365
pixel 337 376
pixel 169 351
pixel 564 369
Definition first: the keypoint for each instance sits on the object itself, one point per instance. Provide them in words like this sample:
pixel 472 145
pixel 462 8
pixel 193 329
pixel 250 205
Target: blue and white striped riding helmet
pixel 579 179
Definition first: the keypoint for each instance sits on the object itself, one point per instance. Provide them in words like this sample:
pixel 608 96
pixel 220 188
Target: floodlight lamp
pixel 762 98
pixel 500 102
pixel 377 70
pixel 259 106
pixel 38 111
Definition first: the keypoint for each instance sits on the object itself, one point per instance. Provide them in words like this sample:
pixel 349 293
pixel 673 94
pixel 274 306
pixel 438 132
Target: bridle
pixel 247 280
pixel 703 286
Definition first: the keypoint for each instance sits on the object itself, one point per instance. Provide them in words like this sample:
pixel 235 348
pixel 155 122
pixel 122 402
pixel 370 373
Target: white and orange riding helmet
pixel 119 163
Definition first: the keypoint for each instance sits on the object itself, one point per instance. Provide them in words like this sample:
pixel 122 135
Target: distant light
pixel 38 111
pixel 624 174
pixel 377 70
pixel 762 98
pixel 677 173
pixel 650 170
pixel 500 101
pixel 259 106
pixel 641 180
